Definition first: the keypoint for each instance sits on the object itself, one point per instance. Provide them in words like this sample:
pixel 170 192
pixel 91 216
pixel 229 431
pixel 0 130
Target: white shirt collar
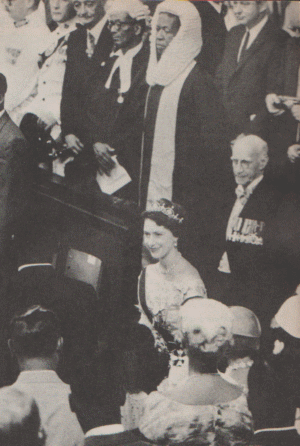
pixel 256 30
pixel 38 376
pixel 33 264
pixel 97 29
pixel 130 53
pixel 217 6
pixel 124 62
pixel 2 113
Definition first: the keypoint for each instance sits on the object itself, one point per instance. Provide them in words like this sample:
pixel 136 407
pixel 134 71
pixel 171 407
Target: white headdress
pixel 134 8
pixel 182 50
pixel 209 315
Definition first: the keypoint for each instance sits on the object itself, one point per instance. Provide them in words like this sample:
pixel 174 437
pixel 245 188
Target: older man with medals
pixel 258 280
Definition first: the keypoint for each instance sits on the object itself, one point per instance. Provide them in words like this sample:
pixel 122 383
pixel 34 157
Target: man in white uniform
pixel 44 100
pixel 20 48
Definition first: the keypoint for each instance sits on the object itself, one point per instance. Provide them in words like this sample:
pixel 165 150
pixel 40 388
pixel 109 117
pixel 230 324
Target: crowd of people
pixel 189 111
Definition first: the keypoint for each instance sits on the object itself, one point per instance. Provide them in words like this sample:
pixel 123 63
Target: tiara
pixel 155 206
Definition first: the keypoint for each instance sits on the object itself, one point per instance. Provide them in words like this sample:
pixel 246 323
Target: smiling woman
pixel 165 285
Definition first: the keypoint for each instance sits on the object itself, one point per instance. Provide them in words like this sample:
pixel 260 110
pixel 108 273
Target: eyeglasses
pixel 118 25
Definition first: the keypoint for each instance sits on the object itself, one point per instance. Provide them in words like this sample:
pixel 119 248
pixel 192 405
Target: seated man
pixel 44 100
pixel 36 343
pixel 19 419
pixel 20 49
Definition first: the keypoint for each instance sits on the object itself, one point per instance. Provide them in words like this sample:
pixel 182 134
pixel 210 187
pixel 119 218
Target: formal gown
pixel 222 424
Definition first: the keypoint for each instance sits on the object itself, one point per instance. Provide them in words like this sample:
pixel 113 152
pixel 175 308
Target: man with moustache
pixel 116 96
pixel 88 47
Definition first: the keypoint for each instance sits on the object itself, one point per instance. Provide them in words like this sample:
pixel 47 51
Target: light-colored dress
pixel 163 298
pixel 223 424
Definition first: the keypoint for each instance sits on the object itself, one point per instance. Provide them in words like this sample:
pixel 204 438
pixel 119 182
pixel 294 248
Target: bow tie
pixel 242 194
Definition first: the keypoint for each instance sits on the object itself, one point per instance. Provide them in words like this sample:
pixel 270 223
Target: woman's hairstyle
pixel 35 333
pixel 206 315
pixel 167 214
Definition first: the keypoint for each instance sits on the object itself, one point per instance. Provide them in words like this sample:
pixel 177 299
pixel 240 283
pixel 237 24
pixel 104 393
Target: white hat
pixel 134 8
pixel 288 316
pixel 209 315
pixel 245 322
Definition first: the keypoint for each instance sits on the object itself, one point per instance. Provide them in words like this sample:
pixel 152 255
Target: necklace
pixel 171 268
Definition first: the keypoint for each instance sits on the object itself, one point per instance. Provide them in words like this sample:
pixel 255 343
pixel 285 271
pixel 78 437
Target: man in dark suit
pixel 15 178
pixel 244 72
pixel 88 47
pixel 14 175
pixel 214 33
pixel 283 103
pixel 116 95
pixel 258 280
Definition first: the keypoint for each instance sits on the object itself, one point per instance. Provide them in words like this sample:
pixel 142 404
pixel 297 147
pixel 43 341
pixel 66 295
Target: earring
pixel 175 244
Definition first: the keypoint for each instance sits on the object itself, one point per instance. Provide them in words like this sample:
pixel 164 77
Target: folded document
pixel 117 179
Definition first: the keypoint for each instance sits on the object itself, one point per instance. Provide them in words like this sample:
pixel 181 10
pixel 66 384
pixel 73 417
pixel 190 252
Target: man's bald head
pixel 249 158
pixel 19 419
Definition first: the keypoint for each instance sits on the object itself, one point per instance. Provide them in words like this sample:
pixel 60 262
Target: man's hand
pixel 296 112
pixel 273 102
pixel 73 143
pixel 293 152
pixel 104 154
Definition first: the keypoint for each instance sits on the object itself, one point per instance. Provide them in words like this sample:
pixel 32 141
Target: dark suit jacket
pixel 244 85
pixel 214 33
pixel 260 281
pixel 285 82
pixel 15 178
pixel 78 68
pixel 282 130
pixel 119 125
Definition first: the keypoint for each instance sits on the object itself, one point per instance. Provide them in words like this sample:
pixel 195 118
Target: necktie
pixel 244 47
pixel 90 44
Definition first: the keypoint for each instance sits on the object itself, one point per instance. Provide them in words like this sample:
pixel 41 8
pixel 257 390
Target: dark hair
pixel 175 225
pixel 243 346
pixel 35 333
pixel 19 419
pixel 3 84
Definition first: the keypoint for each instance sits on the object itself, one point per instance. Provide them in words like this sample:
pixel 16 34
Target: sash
pixel 165 334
